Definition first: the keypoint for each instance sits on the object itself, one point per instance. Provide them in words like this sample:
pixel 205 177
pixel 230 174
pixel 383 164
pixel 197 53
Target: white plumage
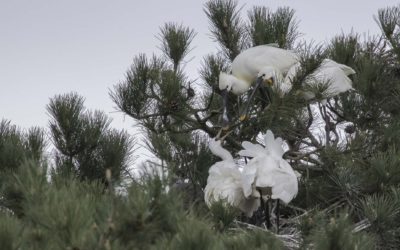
pixel 247 69
pixel 267 169
pixel 224 182
pixel 277 67
pixel 334 74
pixel 248 64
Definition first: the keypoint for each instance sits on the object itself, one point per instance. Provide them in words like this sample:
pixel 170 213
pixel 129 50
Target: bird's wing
pixel 292 72
pixel 266 168
pixel 273 146
pixel 346 69
pixel 228 186
pixel 285 166
pixel 223 183
pixel 335 77
pixel 281 59
pixel 286 85
pixel 248 177
pixel 248 63
pixel 251 150
pixel 286 187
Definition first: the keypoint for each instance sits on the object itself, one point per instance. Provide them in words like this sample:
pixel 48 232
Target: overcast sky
pixel 51 47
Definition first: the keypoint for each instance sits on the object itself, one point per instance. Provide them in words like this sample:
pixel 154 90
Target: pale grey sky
pixel 50 47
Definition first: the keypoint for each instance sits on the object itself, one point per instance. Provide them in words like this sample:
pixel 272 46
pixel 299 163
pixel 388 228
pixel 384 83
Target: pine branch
pixel 226 26
pixel 176 40
pixel 267 27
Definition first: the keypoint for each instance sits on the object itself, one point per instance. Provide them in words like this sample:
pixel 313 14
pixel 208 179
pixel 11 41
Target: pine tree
pixel 82 196
pixel 348 166
pixel 86 146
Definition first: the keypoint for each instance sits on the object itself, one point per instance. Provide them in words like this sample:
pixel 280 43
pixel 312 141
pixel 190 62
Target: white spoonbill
pixel 246 68
pixel 269 173
pixel 224 182
pixel 267 170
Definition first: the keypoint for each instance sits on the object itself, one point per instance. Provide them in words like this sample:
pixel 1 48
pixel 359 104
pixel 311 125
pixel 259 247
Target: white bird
pixel 267 170
pixel 224 182
pixel 246 68
pixel 334 74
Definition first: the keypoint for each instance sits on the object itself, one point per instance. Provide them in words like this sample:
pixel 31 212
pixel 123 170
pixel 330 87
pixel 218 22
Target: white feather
pixel 248 64
pixel 225 183
pixel 329 72
pixel 267 168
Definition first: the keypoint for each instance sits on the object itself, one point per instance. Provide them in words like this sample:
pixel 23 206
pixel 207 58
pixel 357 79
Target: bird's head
pixel 225 81
pixel 269 75
pixel 216 147
pixel 218 139
pixel 230 83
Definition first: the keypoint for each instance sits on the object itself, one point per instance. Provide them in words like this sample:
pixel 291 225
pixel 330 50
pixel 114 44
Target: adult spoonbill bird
pixel 334 74
pixel 247 68
pixel 224 182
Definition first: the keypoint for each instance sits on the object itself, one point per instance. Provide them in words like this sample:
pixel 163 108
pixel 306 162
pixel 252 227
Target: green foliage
pixel 136 95
pixel 223 216
pixel 175 40
pixel 194 234
pixel 17 146
pixel 346 151
pixel 344 49
pixel 10 231
pixel 338 234
pixel 268 27
pixel 69 214
pixel 256 239
pixel 147 213
pixel 388 20
pixel 185 158
pixel 85 143
pixel 383 170
pixel 18 152
pixel 226 26
pixel 211 67
pixel 382 211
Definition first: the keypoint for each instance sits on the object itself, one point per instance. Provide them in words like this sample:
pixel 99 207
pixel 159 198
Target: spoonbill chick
pixel 268 171
pixel 224 182
pixel 246 68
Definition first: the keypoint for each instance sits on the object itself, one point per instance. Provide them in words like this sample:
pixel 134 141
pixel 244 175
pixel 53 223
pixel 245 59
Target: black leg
pixel 262 210
pixel 277 216
pixel 267 214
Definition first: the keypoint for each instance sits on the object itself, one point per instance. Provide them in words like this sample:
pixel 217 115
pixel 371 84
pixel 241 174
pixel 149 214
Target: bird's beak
pixel 223 137
pixel 219 134
pixel 269 81
pixel 226 135
pixel 225 118
pixel 243 116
